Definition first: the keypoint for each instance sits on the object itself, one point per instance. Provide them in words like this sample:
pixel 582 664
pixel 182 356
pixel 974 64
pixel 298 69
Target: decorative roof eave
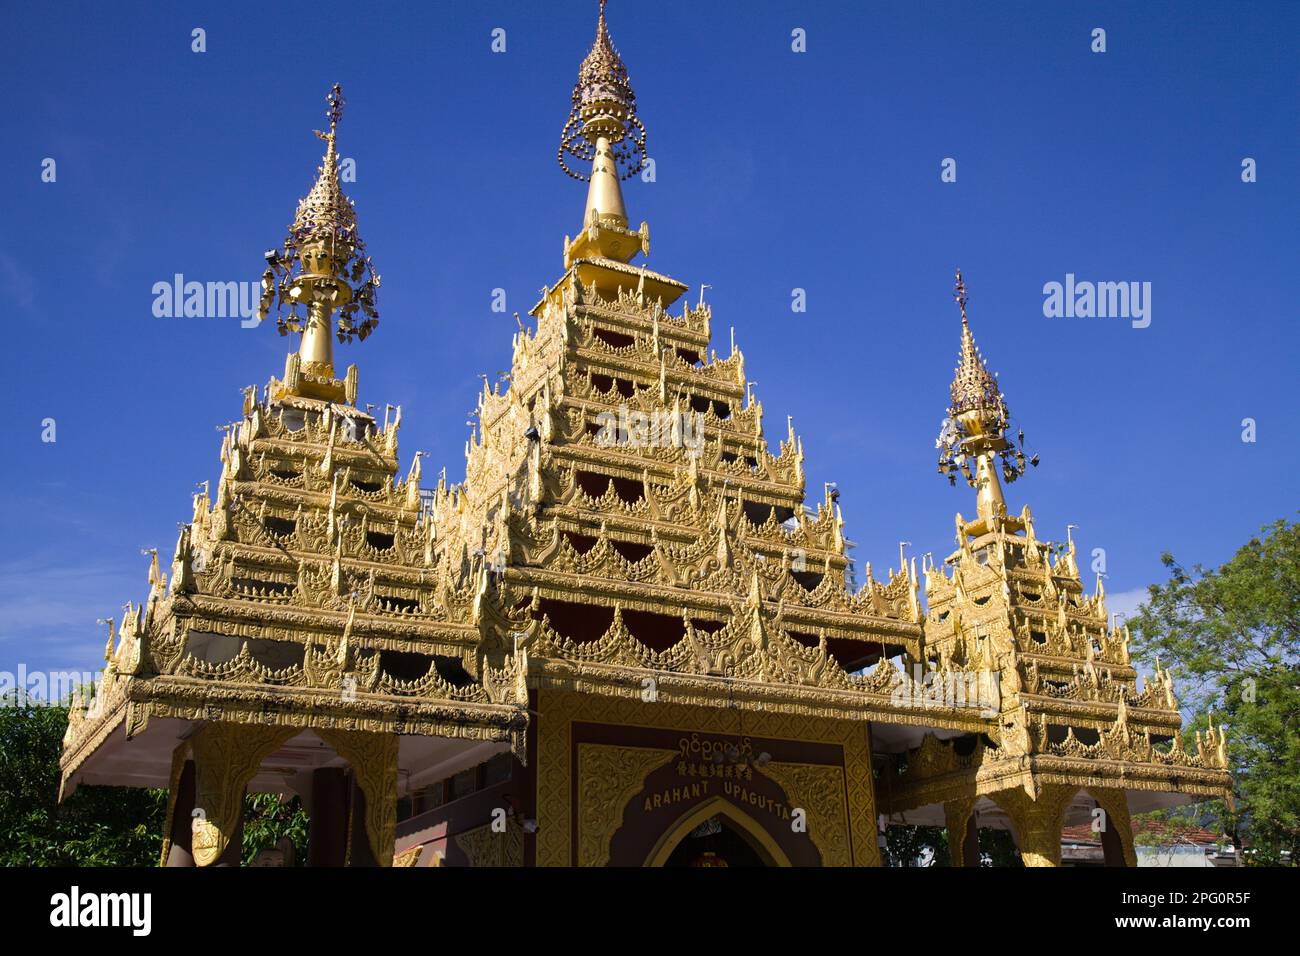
pixel 136 701
pixel 757 696
pixel 984 779
pixel 1101 712
pixel 657 284
pixel 377 631
pixel 579 589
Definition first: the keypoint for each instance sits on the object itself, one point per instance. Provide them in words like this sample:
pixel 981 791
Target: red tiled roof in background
pixel 1172 833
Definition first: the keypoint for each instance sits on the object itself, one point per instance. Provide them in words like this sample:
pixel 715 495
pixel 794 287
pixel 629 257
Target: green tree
pixel 916 846
pixel 998 847
pixel 1231 637
pixel 928 846
pixel 267 818
pixel 98 826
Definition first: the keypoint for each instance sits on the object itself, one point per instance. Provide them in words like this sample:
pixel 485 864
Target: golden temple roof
pixel 591 543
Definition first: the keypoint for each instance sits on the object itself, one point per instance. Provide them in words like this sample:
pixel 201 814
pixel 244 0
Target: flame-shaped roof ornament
pixel 324 262
pixel 973 385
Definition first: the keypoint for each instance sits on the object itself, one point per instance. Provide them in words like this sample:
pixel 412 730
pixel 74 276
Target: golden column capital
pixel 226 757
pixel 373 758
pixel 1037 822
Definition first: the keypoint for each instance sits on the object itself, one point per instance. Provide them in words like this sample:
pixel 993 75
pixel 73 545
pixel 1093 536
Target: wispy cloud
pixel 48 612
pixel 1124 603
pixel 18 284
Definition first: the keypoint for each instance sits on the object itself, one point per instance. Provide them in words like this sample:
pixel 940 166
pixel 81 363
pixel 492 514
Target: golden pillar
pixel 963 836
pixel 373 758
pixel 226 756
pixel 1037 822
pixel 177 848
pixel 1117 827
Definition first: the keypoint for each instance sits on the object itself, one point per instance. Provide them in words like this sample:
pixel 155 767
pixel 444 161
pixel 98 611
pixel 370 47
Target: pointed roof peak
pixel 959 293
pixel 602 30
pixel 973 384
pixel 325 212
pixel 604 106
pixel 603 62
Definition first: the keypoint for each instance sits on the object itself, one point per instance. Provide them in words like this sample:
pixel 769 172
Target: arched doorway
pixel 734 839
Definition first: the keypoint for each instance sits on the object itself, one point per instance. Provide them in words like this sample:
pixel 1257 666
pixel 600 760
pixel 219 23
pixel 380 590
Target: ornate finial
pixel 973 386
pixel 604 107
pixel 325 214
pixel 975 431
pixel 336 104
pixel 324 249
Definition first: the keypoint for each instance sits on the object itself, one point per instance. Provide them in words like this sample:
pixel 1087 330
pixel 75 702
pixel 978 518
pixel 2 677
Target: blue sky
pixel 775 170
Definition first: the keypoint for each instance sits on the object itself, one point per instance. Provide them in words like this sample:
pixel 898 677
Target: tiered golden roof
pixel 303 595
pixel 622 518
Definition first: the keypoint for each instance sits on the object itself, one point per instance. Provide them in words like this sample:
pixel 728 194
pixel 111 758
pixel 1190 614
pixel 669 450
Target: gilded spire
pixel 325 213
pixel 973 386
pixel 604 106
pixel 323 268
pixel 604 67
pixel 976 429
pixel 603 129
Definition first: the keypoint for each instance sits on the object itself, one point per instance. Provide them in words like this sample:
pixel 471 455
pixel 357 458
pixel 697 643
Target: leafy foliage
pixel 916 846
pixel 998 847
pixel 928 846
pixel 267 818
pixel 1231 636
pixel 98 826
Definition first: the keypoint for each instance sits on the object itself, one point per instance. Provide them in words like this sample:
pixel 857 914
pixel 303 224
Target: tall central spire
pixel 977 428
pixel 323 268
pixel 603 129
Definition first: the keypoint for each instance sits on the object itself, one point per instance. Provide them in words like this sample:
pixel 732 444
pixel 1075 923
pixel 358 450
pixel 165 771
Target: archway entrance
pixel 716 834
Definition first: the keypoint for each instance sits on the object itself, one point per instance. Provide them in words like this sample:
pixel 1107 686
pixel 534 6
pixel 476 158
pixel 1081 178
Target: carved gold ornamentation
pixel 408 858
pixel 608 777
pixel 484 846
pixel 226 756
pixel 557 710
pixel 1037 822
pixel 373 758
pixel 819 791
